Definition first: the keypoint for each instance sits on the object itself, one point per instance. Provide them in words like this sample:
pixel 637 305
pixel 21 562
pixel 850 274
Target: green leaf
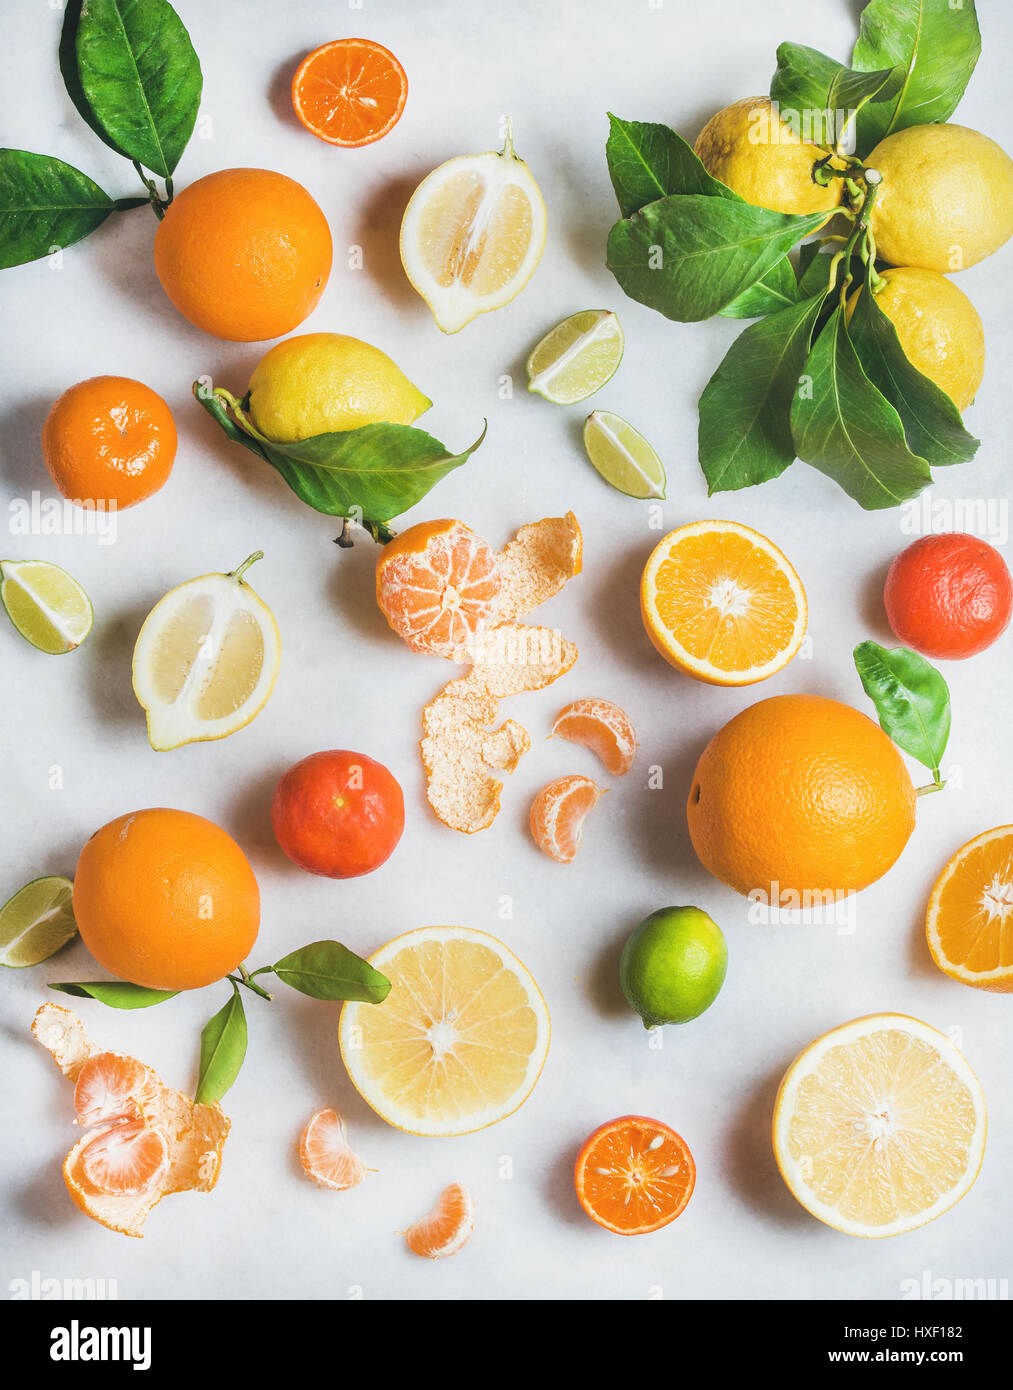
pixel 688 255
pixel 911 698
pixel 328 970
pixel 745 431
pixel 118 994
pixel 648 161
pixel 936 43
pixel 845 427
pixel 139 77
pixel 44 206
pixel 822 97
pixel 932 423
pixel 222 1050
pixel 71 77
pixel 371 474
pixel 773 291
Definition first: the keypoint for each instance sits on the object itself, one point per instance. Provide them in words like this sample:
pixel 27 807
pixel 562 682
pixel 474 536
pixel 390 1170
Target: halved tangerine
pixel 107 1088
pixel 437 585
pixel 350 92
pixel 634 1175
pixel 325 1155
pixel 446 1228
pixel 127 1157
pixel 601 726
pixel 558 813
pixel 970 918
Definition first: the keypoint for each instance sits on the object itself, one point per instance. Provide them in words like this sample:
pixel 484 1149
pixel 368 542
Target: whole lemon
pixel 318 382
pixel 800 794
pixel 946 200
pixel 751 148
pixel 938 327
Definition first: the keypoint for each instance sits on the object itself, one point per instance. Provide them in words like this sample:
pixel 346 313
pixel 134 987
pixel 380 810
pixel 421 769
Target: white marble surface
pixel 346 682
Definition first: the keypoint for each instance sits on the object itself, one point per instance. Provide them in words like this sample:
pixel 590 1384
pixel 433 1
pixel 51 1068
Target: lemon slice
pixel 879 1126
pixel 460 1040
pixel 206 659
pixel 623 456
pixel 577 357
pixel 46 605
pixel 36 922
pixel 472 234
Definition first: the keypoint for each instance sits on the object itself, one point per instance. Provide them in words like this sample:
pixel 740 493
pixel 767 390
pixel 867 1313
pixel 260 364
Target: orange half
pixel 969 926
pixel 722 603
pixel 634 1175
pixel 350 92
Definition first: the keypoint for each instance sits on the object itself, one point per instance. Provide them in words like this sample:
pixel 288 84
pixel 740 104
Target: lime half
pixel 46 605
pixel 576 357
pixel 36 922
pixel 623 456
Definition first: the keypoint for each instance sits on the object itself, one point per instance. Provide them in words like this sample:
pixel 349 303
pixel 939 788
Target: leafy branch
pixel 323 970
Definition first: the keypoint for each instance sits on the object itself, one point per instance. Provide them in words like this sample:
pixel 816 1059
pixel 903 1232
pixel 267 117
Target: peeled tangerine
pixel 144 1141
pixel 473 234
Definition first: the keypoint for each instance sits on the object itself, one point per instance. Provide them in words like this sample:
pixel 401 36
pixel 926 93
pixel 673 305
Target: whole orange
pixel 800 794
pixel 109 439
pixel 166 899
pixel 244 254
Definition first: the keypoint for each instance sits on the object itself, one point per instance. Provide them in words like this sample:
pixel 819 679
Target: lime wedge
pixel 576 357
pixel 47 606
pixel 623 456
pixel 36 922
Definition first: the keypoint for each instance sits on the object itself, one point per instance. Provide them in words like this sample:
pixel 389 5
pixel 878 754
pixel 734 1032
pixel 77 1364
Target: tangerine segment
pixel 601 726
pixel 325 1155
pixel 970 918
pixel 634 1175
pixel 107 1087
pixel 722 603
pixel 461 1038
pixel 194 1134
pixel 879 1126
pixel 558 813
pixel 126 1158
pixel 437 585
pixel 446 1228
pixel 350 92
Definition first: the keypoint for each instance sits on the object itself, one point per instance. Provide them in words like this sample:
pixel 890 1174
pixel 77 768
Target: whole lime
pixel 673 965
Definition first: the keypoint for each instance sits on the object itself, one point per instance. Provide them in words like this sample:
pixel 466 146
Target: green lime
pixel 673 965
pixel 577 357
pixel 36 922
pixel 623 456
pixel 46 605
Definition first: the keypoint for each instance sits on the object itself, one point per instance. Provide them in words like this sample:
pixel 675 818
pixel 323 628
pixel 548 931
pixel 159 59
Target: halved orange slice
pixel 722 603
pixel 634 1175
pixel 350 92
pixel 970 918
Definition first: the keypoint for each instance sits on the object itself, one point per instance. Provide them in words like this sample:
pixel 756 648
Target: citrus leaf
pixel 745 431
pixel 823 99
pixel 139 77
pixel 328 970
pixel 936 43
pixel 802 79
pixel 45 205
pixel 222 1050
pixel 912 700
pixel 117 994
pixel 371 474
pixel 773 291
pixel 647 161
pixel 932 423
pixel 689 255
pixel 846 428
pixel 72 78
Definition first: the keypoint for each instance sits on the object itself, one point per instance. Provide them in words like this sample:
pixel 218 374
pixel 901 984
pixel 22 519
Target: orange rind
pixel 161 1142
